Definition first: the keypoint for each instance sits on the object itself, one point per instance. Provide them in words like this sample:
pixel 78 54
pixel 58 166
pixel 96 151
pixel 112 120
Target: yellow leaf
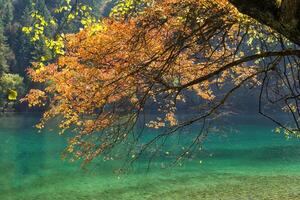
pixel 12 95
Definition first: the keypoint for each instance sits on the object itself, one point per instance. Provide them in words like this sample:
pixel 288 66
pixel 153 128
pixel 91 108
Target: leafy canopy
pixel 165 54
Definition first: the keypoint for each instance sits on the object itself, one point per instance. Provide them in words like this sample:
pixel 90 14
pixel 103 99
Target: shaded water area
pixel 251 163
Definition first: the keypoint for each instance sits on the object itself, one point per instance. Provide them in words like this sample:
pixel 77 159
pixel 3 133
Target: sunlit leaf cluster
pixel 49 31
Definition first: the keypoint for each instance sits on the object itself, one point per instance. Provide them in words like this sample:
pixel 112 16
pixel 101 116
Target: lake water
pixel 251 163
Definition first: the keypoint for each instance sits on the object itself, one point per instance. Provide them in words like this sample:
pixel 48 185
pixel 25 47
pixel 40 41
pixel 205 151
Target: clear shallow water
pixel 252 163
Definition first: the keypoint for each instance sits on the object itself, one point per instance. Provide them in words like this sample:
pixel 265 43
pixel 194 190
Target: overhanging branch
pixel 240 61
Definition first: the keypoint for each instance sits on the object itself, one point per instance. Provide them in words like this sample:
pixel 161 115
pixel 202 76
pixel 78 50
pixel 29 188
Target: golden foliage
pixel 111 70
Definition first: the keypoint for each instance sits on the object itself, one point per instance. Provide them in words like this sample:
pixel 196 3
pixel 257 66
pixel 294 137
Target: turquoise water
pixel 250 163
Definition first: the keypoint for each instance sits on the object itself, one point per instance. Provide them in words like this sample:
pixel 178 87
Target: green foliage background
pixel 18 49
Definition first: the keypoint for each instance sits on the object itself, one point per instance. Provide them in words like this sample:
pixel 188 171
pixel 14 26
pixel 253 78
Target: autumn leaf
pixel 12 95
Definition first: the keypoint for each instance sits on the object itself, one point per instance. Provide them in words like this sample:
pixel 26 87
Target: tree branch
pixel 240 61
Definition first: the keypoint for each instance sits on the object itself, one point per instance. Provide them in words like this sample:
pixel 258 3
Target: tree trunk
pixel 281 15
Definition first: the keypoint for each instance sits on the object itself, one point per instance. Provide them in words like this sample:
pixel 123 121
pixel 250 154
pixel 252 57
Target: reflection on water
pixel 252 163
